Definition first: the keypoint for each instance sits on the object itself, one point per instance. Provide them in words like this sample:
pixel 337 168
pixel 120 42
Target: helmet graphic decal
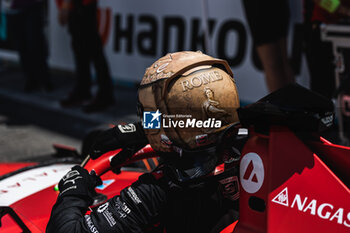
pixel 211 107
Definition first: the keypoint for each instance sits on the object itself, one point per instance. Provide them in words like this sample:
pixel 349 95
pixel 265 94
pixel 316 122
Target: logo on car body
pixel 321 209
pixel 252 172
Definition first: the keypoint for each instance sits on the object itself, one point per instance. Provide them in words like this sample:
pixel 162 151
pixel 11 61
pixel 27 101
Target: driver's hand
pixel 106 141
pixel 78 182
pixel 121 136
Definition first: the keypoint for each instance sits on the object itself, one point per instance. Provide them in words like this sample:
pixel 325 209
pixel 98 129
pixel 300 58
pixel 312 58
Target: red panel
pixel 300 192
pixel 335 156
pixel 10 167
pixel 229 228
pixel 314 199
pixel 10 226
pixel 249 220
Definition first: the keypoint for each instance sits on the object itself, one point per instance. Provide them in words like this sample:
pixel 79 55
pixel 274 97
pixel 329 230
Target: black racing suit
pixel 154 203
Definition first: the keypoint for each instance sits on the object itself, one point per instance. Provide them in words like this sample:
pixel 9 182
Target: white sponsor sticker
pixel 103 207
pixel 24 184
pixel 251 172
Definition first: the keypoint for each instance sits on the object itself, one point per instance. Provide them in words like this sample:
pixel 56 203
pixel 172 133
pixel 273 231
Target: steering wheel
pixel 104 163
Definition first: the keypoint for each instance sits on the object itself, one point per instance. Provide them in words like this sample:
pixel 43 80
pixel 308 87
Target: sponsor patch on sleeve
pixel 129 128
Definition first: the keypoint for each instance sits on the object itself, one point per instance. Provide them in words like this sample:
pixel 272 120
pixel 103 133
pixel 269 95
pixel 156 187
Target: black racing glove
pixel 78 182
pixel 121 136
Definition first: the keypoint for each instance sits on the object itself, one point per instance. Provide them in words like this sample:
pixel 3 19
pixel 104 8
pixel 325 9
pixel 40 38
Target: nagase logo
pixel 282 198
pixel 152 120
pixel 312 206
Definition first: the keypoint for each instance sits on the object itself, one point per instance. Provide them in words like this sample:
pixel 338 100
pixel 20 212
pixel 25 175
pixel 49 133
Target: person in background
pixel 81 17
pixel 26 29
pixel 319 53
pixel 187 192
pixel 268 22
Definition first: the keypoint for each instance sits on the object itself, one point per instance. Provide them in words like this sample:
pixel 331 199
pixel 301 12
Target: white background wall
pixel 130 66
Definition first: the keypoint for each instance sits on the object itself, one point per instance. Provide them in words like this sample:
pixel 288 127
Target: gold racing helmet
pixel 185 99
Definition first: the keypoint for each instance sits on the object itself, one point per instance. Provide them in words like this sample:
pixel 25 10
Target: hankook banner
pixel 137 32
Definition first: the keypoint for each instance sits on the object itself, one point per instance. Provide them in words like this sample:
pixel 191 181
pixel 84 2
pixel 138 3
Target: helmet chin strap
pixel 195 166
pixel 198 168
pixel 202 165
pixel 187 164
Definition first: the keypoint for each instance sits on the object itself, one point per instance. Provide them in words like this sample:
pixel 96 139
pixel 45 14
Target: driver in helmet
pixel 195 187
